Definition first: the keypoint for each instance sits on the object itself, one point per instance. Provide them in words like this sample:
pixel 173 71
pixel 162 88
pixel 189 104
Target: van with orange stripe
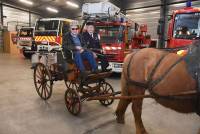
pixel 49 31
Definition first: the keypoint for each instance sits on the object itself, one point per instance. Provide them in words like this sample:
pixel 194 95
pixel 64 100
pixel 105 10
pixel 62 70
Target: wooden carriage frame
pixel 78 89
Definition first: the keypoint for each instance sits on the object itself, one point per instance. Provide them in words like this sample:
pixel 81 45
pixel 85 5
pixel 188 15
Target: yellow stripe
pixel 46 38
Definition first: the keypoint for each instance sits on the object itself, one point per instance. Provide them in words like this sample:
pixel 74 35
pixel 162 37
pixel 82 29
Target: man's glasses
pixel 75 28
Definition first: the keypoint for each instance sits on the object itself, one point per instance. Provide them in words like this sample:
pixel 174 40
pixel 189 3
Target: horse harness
pixel 150 84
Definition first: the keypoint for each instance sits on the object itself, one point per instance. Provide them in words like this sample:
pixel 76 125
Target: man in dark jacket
pixel 73 47
pixel 92 41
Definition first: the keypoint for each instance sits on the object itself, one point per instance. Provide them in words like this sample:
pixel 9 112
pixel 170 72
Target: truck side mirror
pixel 169 17
pixel 159 30
pixel 137 27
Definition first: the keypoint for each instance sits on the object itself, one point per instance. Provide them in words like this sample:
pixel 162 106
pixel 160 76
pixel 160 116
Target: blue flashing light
pixel 121 20
pixel 189 3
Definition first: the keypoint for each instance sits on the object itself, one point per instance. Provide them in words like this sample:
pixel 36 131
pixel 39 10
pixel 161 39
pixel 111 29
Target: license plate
pixel 117 66
pixel 44 42
pixel 43 47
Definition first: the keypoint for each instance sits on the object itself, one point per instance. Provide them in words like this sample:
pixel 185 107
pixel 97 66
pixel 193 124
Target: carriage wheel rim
pixel 106 88
pixel 42 80
pixel 72 101
pixel 72 85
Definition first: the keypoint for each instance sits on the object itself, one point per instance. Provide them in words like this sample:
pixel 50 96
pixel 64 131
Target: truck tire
pixel 27 55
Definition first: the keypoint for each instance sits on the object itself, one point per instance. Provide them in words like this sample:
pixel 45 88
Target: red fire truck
pixel 118 34
pixel 184 27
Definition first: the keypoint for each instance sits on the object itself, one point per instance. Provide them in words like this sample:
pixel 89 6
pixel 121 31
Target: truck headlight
pixel 181 52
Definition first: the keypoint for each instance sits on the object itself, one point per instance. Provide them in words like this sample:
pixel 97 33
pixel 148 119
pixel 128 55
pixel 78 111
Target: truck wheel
pixel 27 55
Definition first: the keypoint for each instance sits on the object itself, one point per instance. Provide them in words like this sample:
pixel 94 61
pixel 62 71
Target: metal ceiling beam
pixel 158 5
pixel 43 3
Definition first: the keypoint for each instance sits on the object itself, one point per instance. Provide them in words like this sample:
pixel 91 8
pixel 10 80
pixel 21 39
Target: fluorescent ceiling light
pixel 72 4
pixel 26 2
pixel 139 10
pixel 52 9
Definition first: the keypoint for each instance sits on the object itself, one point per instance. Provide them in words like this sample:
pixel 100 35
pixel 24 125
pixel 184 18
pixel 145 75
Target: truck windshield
pixel 25 33
pixel 187 26
pixel 43 25
pixel 46 27
pixel 110 34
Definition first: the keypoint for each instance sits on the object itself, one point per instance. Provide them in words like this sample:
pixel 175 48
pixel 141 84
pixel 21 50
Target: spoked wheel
pixel 43 81
pixel 106 88
pixel 72 85
pixel 72 101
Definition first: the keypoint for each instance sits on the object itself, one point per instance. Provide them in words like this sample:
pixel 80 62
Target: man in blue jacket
pixel 92 41
pixel 73 41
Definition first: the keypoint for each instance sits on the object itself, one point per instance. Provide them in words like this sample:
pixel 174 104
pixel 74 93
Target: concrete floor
pixel 23 112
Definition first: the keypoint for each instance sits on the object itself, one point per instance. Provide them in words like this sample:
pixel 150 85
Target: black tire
pixel 106 88
pixel 27 55
pixel 43 81
pixel 72 101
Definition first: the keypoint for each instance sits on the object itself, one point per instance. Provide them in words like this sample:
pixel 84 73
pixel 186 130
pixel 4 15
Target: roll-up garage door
pixel 15 18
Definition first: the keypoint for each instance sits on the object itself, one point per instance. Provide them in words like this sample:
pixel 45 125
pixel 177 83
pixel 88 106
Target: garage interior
pixel 24 112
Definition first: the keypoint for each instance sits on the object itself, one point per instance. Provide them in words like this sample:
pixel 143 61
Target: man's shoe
pixel 84 75
pixel 96 71
pixel 106 70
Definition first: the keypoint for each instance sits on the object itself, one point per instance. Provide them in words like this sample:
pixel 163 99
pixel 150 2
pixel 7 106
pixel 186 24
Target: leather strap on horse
pixel 140 84
pixel 150 84
pixel 155 82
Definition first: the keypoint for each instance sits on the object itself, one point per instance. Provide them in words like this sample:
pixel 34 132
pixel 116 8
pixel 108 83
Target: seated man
pixel 92 42
pixel 72 41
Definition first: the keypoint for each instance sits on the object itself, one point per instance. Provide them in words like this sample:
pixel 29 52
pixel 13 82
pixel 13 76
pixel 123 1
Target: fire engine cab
pixel 49 32
pixel 184 27
pixel 118 35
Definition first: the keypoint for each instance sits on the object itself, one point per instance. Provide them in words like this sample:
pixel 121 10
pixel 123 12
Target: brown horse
pixel 138 67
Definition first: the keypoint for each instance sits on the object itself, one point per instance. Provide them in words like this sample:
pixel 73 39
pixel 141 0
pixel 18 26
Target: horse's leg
pixel 137 110
pixel 123 104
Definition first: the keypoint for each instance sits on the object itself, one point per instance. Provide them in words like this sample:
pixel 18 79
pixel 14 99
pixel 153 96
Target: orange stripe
pixel 53 38
pixel 49 38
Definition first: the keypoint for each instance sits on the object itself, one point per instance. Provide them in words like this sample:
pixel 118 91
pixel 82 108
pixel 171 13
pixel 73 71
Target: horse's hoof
pixel 142 132
pixel 120 121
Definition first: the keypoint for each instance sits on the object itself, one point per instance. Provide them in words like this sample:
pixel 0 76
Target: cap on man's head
pixel 90 24
pixel 74 23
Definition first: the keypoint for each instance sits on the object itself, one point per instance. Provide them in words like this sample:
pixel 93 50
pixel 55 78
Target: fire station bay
pixel 99 66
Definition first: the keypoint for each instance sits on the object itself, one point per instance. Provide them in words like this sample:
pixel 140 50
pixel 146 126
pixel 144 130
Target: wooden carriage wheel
pixel 43 81
pixel 73 85
pixel 106 88
pixel 72 101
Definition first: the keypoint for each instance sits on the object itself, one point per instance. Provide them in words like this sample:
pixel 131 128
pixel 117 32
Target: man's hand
pixel 79 47
pixel 81 50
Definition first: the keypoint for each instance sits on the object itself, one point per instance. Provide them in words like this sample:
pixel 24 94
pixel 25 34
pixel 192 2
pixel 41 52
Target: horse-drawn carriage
pixel 49 68
pixel 182 97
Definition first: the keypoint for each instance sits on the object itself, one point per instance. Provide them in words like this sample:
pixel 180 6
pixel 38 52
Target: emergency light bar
pixel 101 9
pixel 189 3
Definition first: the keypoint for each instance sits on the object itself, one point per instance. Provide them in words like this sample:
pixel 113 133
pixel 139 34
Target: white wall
pixel 15 17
